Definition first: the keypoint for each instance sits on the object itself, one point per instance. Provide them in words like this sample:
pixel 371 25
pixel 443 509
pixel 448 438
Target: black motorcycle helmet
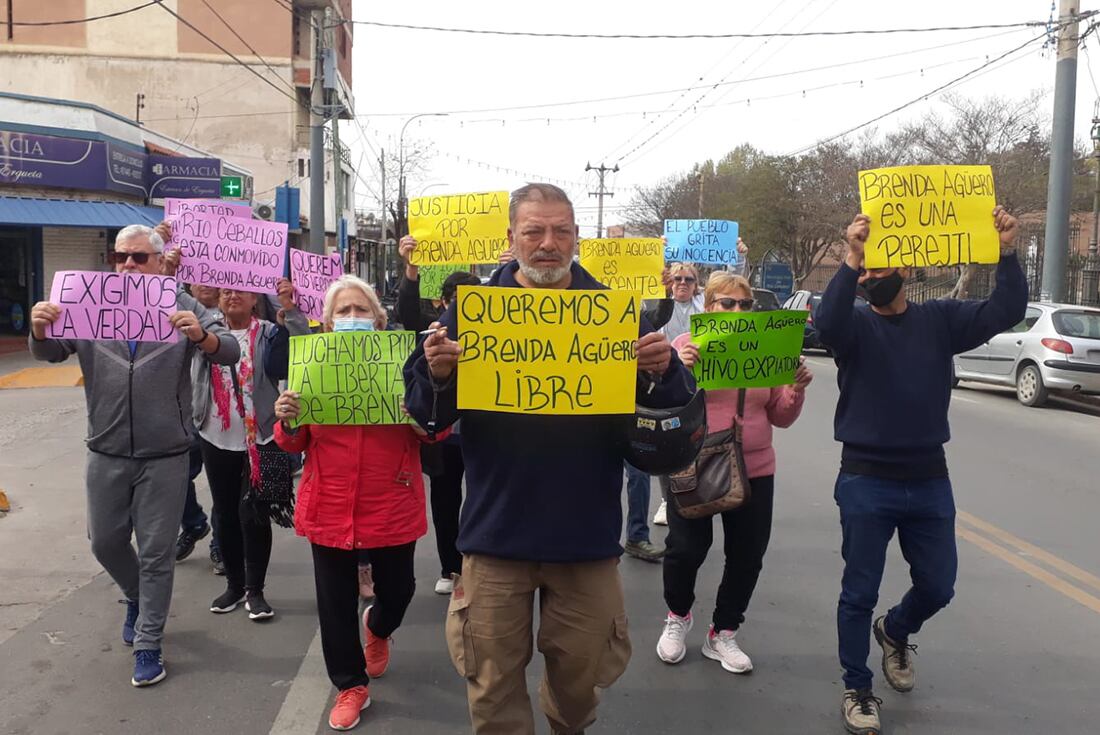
pixel 661 441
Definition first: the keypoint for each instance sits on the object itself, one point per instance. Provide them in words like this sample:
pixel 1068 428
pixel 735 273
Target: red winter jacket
pixel 361 486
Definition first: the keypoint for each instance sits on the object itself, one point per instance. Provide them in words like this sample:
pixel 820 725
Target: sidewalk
pixel 18 369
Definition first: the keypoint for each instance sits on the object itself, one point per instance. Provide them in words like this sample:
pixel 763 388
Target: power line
pixel 227 52
pixel 658 93
pixel 249 47
pixel 695 36
pixel 683 94
pixel 926 95
pixel 75 21
pixel 705 94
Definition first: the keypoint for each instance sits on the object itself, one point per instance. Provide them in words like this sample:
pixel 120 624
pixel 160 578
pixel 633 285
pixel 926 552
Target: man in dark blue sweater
pixel 895 374
pixel 542 510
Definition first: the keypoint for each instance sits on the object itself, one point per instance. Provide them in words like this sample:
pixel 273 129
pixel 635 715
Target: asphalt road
pixel 1018 651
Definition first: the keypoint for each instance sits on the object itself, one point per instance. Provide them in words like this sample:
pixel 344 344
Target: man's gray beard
pixel 543 276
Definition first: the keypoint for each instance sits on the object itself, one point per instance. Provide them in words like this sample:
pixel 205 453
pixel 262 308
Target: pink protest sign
pixel 174 207
pixel 312 274
pixel 113 306
pixel 229 252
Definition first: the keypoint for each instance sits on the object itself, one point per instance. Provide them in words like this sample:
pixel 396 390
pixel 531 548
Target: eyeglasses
pixel 117 257
pixel 728 304
pixel 683 279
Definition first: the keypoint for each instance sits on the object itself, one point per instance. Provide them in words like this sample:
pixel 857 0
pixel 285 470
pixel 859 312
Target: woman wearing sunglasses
pixel 747 528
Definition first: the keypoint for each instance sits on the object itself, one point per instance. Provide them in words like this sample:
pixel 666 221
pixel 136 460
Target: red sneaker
pixel 345 711
pixel 377 650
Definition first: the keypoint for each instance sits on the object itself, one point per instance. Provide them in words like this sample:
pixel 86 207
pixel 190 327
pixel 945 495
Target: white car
pixel 1055 348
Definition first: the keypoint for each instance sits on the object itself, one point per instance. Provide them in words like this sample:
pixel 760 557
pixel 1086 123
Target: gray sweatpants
pixel 143 498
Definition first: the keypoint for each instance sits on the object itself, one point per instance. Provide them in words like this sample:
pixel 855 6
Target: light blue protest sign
pixel 705 241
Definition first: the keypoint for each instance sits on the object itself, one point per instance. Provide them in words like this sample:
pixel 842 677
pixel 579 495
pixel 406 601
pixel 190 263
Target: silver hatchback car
pixel 1055 348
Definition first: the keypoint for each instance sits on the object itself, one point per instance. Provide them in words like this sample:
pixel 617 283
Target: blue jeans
pixel 871 508
pixel 637 504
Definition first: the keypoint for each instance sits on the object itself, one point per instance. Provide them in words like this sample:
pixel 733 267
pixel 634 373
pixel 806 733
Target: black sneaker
pixel 257 607
pixel 185 544
pixel 227 601
pixel 216 561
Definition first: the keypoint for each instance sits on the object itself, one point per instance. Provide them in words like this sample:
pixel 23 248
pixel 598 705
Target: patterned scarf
pixel 221 383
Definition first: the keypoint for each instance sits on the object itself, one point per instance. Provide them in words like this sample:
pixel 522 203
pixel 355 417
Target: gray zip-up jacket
pixel 140 405
pixel 269 365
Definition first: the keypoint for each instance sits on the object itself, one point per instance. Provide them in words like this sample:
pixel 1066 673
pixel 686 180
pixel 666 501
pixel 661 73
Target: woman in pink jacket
pixel 747 528
pixel 361 488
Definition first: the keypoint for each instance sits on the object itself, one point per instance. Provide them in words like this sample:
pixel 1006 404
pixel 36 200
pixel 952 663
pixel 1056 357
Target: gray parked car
pixel 1055 348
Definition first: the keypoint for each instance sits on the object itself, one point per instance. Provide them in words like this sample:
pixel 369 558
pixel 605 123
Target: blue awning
pixel 32 212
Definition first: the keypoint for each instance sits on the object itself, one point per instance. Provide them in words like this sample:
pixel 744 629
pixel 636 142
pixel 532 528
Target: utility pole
pixel 700 195
pixel 382 239
pixel 1059 188
pixel 317 138
pixel 601 171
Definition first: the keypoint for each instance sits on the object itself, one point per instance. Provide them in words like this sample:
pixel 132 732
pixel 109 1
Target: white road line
pixel 308 696
pixel 964 399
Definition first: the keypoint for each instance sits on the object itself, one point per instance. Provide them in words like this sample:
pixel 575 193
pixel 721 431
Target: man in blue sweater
pixel 542 511
pixel 895 373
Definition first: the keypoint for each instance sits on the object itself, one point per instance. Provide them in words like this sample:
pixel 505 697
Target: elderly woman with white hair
pixel 361 488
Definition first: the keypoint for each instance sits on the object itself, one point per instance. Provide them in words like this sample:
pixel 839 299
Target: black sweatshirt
pixel 538 487
pixel 895 372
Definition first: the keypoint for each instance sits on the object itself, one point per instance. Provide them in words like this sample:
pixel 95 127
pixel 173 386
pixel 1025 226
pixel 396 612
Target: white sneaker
pixel 660 518
pixel 671 647
pixel 722 647
pixel 444 586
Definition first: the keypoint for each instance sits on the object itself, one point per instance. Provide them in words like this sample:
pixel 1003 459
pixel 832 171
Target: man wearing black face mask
pixel 895 372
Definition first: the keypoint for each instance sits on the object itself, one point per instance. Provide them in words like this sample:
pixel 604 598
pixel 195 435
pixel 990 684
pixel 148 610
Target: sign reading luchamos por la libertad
pixel 747 349
pixel 547 351
pixel 350 377
pixel 929 215
pixel 459 228
pixel 626 264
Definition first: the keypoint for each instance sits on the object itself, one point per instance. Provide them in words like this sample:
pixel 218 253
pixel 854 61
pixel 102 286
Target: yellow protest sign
pixel 459 228
pixel 626 264
pixel 547 351
pixel 929 215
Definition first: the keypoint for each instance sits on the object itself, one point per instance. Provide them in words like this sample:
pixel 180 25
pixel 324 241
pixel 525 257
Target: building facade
pixel 162 65
pixel 71 176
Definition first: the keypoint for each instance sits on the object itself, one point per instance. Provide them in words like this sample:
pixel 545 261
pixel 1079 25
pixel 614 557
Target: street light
pixel 429 186
pixel 402 203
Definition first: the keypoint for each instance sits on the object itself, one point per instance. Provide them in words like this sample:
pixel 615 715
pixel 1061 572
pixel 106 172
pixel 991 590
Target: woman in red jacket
pixel 361 489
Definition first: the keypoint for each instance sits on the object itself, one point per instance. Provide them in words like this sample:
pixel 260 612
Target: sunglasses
pixel 683 279
pixel 745 304
pixel 116 257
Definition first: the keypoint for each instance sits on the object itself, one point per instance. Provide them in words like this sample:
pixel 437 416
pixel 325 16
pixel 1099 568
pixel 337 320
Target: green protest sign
pixel 350 377
pixel 433 276
pixel 747 349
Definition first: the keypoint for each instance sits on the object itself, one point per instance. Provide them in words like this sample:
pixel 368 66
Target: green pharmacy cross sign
pixel 232 187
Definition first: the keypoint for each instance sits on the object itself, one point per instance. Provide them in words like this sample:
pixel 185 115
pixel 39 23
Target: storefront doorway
pixel 16 279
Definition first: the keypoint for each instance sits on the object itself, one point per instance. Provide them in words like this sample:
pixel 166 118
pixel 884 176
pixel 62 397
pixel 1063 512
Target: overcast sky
pixel 403 72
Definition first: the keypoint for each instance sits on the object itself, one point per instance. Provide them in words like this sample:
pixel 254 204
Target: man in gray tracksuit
pixel 139 433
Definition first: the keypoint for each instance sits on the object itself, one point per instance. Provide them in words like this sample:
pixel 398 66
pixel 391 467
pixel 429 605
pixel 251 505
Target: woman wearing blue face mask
pixel 361 489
